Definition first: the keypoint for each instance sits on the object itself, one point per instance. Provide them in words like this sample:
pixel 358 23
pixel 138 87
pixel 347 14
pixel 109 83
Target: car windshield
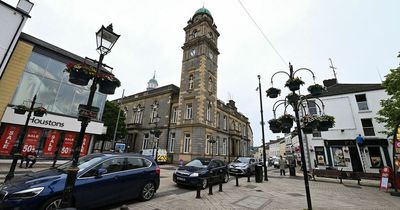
pixel 83 163
pixel 242 160
pixel 198 163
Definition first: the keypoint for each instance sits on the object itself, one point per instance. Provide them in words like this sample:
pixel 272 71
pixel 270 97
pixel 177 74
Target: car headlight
pixel 194 175
pixel 28 193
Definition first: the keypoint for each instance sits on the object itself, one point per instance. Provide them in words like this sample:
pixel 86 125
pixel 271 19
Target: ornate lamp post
pixel 285 122
pixel 106 39
pixel 16 151
pixel 156 135
pixel 212 141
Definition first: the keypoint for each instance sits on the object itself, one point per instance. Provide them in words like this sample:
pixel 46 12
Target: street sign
pixel 87 112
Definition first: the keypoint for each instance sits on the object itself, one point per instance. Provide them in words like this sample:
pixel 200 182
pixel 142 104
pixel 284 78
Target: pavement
pixel 280 192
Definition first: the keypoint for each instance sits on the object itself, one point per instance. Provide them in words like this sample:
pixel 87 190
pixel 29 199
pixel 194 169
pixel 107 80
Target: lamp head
pixel 106 39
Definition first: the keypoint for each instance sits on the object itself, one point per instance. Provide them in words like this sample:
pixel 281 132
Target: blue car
pixel 102 179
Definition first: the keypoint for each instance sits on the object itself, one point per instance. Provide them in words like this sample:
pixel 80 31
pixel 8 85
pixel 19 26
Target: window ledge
pixel 364 111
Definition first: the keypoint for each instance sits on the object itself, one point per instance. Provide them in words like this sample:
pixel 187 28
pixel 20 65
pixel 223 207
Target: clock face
pixel 211 55
pixel 193 52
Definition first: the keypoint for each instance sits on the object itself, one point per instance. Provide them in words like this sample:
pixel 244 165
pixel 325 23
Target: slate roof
pixel 340 89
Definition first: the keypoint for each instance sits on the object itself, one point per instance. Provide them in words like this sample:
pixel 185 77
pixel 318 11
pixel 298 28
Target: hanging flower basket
pixel 286 130
pixel 326 122
pixel 39 111
pixel 286 121
pixel 80 74
pixel 20 109
pixel 294 83
pixel 293 98
pixel 316 89
pixel 273 92
pixel 310 121
pixel 307 130
pixel 108 83
pixel 275 126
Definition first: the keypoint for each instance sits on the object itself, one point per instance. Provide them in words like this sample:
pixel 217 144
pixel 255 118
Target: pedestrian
pixel 282 165
pixel 23 157
pixel 30 157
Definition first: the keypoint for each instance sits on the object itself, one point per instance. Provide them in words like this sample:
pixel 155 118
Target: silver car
pixel 243 166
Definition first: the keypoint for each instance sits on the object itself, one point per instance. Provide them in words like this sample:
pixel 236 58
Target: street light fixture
pixel 212 141
pixel 106 39
pixel 156 136
pixel 295 101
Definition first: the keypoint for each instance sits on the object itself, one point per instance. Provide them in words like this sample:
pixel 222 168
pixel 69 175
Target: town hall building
pixel 192 120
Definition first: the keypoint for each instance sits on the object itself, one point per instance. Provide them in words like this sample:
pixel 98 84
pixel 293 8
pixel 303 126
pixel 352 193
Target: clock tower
pixel 198 85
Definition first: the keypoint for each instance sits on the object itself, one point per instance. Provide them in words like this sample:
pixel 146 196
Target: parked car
pixel 198 170
pixel 102 179
pixel 243 166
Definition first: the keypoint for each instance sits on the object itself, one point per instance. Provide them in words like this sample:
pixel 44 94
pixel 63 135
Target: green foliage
pixel 110 116
pixel 390 112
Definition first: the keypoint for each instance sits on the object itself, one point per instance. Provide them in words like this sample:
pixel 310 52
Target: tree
pixel 110 116
pixel 390 112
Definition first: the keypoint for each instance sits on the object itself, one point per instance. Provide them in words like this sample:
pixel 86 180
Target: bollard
pixel 220 186
pixel 210 176
pixel 237 180
pixel 198 189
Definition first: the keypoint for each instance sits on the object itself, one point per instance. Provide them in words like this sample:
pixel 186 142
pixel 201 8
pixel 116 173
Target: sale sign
pixel 51 143
pixel 85 144
pixel 68 143
pixel 8 138
pixel 31 140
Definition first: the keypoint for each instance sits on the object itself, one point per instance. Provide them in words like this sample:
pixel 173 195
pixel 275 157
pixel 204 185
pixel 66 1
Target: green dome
pixel 202 11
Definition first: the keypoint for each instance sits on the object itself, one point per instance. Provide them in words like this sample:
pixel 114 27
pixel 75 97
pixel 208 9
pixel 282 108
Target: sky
pixel 362 37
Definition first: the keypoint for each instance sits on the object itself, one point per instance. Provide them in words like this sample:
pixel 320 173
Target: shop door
pixel 355 159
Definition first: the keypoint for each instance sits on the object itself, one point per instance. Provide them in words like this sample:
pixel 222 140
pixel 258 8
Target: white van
pixel 161 155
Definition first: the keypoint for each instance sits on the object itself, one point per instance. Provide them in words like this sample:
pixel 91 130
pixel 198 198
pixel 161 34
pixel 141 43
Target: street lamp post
pixel 212 141
pixel 116 124
pixel 105 39
pixel 16 151
pixel 295 103
pixel 156 135
pixel 262 130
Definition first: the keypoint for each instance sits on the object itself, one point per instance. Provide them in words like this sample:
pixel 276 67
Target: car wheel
pixel 226 178
pixel 204 184
pixel 147 191
pixel 52 204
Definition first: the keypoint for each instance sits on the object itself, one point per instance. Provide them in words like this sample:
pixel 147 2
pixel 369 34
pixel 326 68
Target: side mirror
pixel 100 172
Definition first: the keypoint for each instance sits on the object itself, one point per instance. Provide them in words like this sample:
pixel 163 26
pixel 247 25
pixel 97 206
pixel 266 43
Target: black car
pixel 198 170
pixel 243 166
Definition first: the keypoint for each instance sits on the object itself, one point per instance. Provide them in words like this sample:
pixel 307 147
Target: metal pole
pixel 262 130
pixel 303 159
pixel 394 162
pixel 73 169
pixel 17 151
pixel 116 124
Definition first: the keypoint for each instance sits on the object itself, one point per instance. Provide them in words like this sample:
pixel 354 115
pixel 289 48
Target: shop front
pixel 46 135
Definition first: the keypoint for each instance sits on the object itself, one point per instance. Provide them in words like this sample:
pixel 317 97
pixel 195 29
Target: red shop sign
pixel 8 138
pixel 31 140
pixel 51 143
pixel 66 148
pixel 85 144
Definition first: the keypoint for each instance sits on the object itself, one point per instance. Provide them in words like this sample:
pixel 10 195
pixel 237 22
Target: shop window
pixel 368 127
pixel 338 156
pixel 375 157
pixel 320 156
pixel 362 102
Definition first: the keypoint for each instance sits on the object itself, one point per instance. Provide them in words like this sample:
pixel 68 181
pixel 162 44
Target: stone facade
pixel 190 117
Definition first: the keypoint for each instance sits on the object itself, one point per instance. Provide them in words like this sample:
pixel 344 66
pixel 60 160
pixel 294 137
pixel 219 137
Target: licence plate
pixel 180 178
